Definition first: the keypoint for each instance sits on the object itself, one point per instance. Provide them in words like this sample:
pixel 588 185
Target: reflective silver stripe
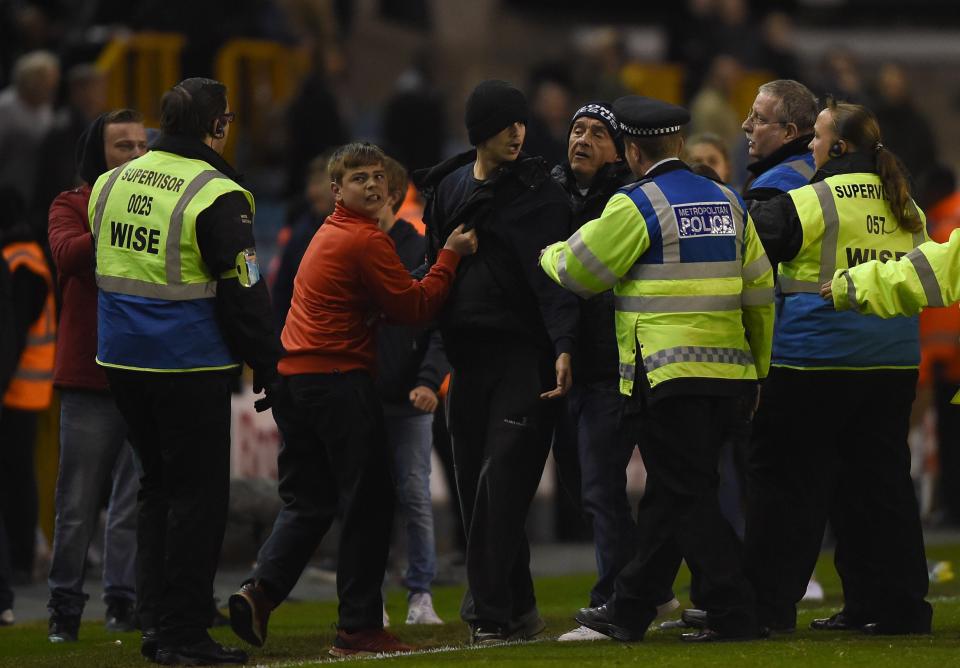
pixel 757 296
pixel 102 201
pixel 831 230
pixel 667 356
pixel 738 217
pixel 918 237
pixel 669 232
pixel 40 339
pixel 789 285
pixel 32 374
pixel 851 291
pixel 181 292
pixel 756 269
pixel 682 270
pixel 928 279
pixel 174 273
pixel 628 371
pixel 568 281
pixel 801 166
pixel 677 303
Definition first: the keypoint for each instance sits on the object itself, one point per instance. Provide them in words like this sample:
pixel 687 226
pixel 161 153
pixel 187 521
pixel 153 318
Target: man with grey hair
pixel 26 114
pixel 779 127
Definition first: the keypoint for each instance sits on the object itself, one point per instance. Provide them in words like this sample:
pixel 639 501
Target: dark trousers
pixel 179 427
pixel 501 431
pixel 679 516
pixel 18 487
pixel 334 453
pixel 592 422
pixel 833 445
pixel 948 439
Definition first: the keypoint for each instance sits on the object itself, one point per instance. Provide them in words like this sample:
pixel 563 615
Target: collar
pixel 616 174
pixel 665 166
pixel 857 162
pixel 189 147
pixel 658 164
pixel 342 214
pixel 797 147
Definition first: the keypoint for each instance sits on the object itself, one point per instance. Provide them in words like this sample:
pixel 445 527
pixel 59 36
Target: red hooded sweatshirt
pixel 349 275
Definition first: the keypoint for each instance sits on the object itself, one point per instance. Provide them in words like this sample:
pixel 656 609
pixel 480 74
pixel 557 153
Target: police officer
pixel 849 463
pixel 692 283
pixel 779 127
pixel 180 306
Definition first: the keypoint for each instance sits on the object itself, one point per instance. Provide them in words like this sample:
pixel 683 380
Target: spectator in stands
pixel 56 167
pixel 31 387
pixel 551 103
pixel 906 130
pixel 711 110
pixel 319 205
pixel 414 119
pixel 94 451
pixel 708 149
pixel 411 368
pixel 26 114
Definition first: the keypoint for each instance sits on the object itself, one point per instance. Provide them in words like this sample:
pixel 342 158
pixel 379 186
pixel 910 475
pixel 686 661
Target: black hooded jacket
pixel 500 293
pixel 597 357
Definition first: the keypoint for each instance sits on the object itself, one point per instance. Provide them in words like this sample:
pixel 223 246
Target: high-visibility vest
pixel 794 172
pixel 846 220
pixel 689 276
pixel 31 386
pixel 156 305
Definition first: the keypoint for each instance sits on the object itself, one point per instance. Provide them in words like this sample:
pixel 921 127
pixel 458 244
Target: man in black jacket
pixel 509 334
pixel 411 368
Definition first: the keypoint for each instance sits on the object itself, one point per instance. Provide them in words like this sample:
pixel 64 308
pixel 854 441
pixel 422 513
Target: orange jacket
pixel 31 387
pixel 940 327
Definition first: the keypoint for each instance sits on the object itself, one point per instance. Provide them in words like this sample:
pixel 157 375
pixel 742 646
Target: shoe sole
pixel 527 634
pixel 611 630
pixel 165 658
pixel 244 620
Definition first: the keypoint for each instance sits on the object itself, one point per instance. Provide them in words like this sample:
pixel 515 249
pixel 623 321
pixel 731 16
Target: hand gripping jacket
pixel 846 220
pixel 156 307
pixel 31 386
pixel 691 281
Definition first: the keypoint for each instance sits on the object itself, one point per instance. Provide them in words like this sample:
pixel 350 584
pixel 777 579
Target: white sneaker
pixel 582 633
pixel 665 609
pixel 814 591
pixel 7 618
pixel 420 610
pixel 386 617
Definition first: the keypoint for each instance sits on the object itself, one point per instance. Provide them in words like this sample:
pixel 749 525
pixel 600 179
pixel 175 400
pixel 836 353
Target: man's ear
pixel 792 132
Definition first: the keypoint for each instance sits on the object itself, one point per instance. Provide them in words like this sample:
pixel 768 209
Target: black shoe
pixel 120 616
pixel 483 633
pixel 709 635
pixel 219 619
pixel 526 627
pixel 837 622
pixel 149 644
pixel 694 618
pixel 881 629
pixel 202 653
pixel 600 620
pixel 249 613
pixel 63 628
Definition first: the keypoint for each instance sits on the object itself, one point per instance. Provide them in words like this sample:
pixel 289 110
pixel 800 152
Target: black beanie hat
pixel 603 112
pixel 492 106
pixel 91 160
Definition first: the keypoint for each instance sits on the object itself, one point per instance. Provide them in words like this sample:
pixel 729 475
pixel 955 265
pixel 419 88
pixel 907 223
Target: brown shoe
pixel 249 612
pixel 367 641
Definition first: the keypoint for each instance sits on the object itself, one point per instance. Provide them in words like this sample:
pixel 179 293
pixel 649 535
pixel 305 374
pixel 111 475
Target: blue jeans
pixel 594 410
pixel 93 450
pixel 411 440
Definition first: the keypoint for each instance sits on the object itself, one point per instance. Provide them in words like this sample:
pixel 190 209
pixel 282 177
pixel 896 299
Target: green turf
pixel 300 634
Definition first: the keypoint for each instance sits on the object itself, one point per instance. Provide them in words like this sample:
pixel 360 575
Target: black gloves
pixel 266 381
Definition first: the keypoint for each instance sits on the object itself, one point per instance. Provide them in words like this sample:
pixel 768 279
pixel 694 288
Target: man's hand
pixel 564 378
pixel 462 243
pixel 269 383
pixel 424 399
pixel 826 290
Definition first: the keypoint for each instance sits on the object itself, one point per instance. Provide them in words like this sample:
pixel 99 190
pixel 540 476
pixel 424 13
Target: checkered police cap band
pixel 649 132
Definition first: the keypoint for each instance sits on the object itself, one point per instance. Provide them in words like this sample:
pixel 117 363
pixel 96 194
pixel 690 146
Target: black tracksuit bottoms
pixel 679 516
pixel 501 431
pixel 833 445
pixel 179 427
pixel 334 454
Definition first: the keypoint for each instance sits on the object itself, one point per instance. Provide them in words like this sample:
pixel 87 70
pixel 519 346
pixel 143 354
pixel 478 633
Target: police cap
pixel 641 116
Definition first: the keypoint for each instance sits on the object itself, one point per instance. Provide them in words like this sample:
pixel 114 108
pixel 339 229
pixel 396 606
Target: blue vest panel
pixel 787 175
pixel 144 333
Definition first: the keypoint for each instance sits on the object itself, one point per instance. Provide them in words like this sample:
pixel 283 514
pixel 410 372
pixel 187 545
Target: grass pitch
pixel 301 633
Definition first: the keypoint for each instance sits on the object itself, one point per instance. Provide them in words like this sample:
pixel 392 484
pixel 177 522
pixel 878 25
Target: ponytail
pixel 858 126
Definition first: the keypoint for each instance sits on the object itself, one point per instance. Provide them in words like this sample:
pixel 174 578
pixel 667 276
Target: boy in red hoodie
pixel 334 448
